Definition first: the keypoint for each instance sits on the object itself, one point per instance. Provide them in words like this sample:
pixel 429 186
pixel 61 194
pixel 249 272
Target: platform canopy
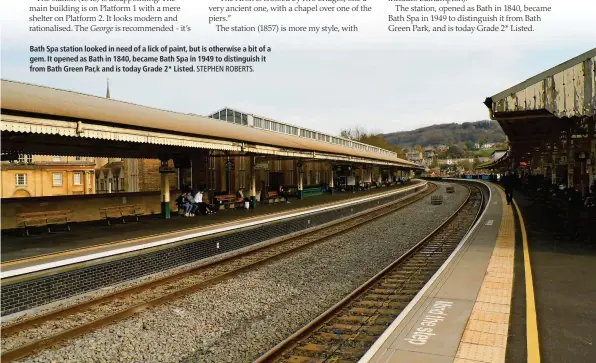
pixel 537 114
pixel 43 120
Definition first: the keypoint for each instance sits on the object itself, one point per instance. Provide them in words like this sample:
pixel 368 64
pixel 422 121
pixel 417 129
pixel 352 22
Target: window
pixel 229 115
pixel 237 118
pixel 25 158
pixel 77 178
pixel 56 158
pixel 57 179
pixel 244 119
pixel 78 158
pixel 21 179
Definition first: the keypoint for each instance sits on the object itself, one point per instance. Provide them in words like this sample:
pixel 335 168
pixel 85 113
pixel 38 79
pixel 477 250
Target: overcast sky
pixel 383 81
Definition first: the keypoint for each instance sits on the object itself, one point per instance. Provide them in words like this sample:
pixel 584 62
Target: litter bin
pixel 253 202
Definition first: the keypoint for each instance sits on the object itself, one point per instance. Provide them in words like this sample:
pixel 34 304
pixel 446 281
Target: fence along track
pixel 91 315
pixel 347 330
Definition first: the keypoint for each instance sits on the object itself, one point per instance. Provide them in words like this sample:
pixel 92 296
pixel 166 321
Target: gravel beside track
pixel 239 319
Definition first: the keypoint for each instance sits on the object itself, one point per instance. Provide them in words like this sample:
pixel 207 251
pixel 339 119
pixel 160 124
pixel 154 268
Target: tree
pixel 360 134
pixel 354 133
pixel 465 164
pixel 434 163
pixel 456 151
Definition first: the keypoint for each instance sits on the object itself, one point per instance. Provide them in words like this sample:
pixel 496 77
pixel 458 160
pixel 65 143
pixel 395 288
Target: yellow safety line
pixel 531 320
pixel 485 337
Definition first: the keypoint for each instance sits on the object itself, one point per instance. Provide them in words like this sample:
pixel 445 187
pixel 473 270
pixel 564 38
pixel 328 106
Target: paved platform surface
pixel 462 315
pixel 480 307
pixel 89 240
pixel 564 276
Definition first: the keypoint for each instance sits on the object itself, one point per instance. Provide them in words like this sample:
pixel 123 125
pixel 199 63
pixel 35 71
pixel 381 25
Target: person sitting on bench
pixel 203 207
pixel 183 204
pixel 281 192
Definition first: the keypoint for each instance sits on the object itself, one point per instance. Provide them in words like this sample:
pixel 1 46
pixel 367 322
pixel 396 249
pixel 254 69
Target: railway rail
pixel 347 330
pixel 28 336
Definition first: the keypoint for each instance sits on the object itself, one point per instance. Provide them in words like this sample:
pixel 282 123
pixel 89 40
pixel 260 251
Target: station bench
pixel 274 197
pixel 39 219
pixel 121 212
pixel 311 192
pixel 229 201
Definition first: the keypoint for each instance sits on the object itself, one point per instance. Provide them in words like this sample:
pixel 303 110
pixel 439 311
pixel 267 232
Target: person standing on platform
pixel 575 207
pixel 508 185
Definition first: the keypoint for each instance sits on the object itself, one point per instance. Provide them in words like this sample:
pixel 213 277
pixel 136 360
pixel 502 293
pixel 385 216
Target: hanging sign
pixel 167 170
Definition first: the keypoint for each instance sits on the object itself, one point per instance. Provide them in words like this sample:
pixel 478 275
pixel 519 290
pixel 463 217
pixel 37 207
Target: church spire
pixel 108 90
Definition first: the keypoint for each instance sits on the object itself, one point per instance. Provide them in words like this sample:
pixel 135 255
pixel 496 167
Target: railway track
pixel 347 330
pixel 29 336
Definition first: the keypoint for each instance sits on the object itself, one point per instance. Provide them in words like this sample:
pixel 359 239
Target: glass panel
pixel 244 119
pixel 237 118
pixel 229 115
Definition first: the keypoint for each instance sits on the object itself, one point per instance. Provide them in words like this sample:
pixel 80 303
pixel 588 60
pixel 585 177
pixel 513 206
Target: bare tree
pixel 354 133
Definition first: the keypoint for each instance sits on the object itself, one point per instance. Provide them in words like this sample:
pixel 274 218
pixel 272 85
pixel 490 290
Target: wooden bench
pixel 274 197
pixel 121 212
pixel 229 201
pixel 48 218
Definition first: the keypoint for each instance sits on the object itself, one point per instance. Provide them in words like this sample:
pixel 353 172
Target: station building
pixel 138 150
pixel 549 120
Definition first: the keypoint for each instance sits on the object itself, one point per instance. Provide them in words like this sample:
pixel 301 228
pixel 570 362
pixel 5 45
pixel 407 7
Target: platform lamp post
pixel 300 177
pixel 331 179
pixel 253 181
pixel 164 170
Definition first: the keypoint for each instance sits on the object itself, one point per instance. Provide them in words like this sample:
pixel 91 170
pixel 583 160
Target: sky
pixel 380 80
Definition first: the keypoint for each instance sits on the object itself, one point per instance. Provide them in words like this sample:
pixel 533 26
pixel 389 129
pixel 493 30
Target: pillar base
pixel 165 210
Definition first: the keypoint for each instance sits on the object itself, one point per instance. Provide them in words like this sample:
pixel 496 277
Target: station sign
pixel 167 170
pixel 262 165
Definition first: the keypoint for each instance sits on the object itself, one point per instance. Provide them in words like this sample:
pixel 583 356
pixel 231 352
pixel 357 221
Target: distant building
pixel 415 157
pixel 44 175
pixel 497 154
pixel 40 176
pixel 489 145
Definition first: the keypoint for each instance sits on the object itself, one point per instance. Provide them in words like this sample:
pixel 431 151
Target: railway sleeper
pixel 300 359
pixel 395 298
pixel 344 328
pixel 356 337
pixel 371 312
pixel 350 352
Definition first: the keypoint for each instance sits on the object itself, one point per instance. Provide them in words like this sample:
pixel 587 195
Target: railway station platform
pixel 514 290
pixel 89 236
pixel 39 280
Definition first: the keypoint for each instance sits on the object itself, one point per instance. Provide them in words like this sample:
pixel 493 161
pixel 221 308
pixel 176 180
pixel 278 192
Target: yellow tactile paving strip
pixel 485 338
